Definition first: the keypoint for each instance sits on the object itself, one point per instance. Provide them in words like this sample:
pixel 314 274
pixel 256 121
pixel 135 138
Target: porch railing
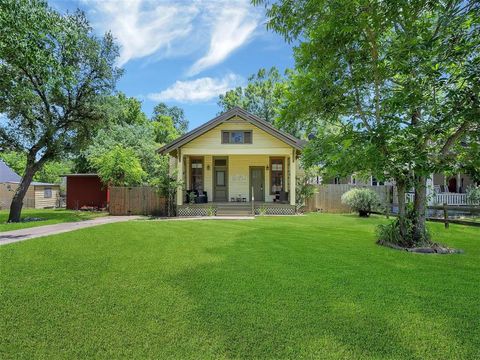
pixel 443 198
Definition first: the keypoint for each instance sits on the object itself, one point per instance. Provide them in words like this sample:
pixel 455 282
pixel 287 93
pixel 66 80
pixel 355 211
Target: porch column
pixel 179 178
pixel 293 177
pixel 459 183
pixel 430 190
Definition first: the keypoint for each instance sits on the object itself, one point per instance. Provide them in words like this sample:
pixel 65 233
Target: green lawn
pixel 287 287
pixel 50 216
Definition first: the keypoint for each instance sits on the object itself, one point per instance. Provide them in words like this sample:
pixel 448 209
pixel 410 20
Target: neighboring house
pixel 236 157
pixel 39 195
pixel 85 190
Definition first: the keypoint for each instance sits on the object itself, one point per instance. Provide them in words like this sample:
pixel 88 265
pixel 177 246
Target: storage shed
pixel 39 195
pixel 86 190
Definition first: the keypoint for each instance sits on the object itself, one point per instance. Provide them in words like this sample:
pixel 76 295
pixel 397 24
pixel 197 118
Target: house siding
pixel 211 142
pixel 7 190
pixel 41 202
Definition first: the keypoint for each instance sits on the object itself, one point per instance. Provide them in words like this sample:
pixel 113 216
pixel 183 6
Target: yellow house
pixel 236 159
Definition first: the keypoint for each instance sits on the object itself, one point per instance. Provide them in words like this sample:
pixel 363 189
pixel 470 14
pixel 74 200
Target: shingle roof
pixel 236 111
pixel 7 174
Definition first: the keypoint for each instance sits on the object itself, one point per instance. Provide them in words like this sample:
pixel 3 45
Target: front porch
pixel 235 209
pixel 236 180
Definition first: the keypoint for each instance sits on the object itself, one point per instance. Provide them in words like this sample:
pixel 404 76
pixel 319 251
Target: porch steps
pixel 234 210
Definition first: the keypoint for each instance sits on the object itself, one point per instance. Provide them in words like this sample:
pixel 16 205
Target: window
pixel 375 182
pixel 47 193
pixel 196 174
pixel 237 137
pixel 276 175
pixel 220 178
pixel 220 162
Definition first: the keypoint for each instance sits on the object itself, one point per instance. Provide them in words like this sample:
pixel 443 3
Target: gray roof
pixel 7 174
pixel 236 111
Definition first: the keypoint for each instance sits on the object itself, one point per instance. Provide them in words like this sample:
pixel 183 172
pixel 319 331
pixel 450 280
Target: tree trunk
pixel 401 189
pixel 419 229
pixel 17 200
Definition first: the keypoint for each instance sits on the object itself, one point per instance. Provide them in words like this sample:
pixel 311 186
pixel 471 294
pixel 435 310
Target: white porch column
pixel 430 190
pixel 179 178
pixel 293 178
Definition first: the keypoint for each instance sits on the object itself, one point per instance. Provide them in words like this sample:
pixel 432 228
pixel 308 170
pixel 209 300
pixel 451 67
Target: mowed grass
pixel 48 216
pixel 315 286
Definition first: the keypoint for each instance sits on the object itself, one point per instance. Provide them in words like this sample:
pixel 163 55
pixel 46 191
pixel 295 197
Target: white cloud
pixel 157 29
pixel 198 90
pixel 232 27
pixel 142 28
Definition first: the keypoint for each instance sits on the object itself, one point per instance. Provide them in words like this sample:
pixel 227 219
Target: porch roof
pixel 236 111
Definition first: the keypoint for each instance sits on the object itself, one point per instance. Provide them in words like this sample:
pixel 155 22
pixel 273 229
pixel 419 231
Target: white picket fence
pixel 443 198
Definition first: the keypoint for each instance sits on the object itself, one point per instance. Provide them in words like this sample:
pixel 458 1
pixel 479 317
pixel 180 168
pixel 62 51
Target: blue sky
pixel 185 53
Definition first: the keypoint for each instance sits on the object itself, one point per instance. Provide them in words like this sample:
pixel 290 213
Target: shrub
pixel 390 233
pixel 364 201
pixel 473 195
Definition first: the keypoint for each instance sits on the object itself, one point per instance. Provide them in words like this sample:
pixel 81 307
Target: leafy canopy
pixel 262 96
pixel 140 139
pixel 119 166
pixel 50 172
pixel 54 75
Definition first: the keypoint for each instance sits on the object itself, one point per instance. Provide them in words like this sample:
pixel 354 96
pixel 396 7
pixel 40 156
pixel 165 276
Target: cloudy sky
pixel 183 52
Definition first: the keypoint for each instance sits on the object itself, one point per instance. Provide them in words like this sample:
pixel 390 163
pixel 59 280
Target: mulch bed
pixel 432 249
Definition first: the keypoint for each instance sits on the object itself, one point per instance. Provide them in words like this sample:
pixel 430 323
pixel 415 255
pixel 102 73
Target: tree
pixel 121 109
pixel 53 75
pixel 119 166
pixel 262 96
pixel 166 183
pixel 164 129
pixel 162 111
pixel 136 137
pixel 391 87
pixel 49 173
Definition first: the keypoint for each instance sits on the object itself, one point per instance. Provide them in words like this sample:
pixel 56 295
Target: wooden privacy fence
pixel 328 197
pixel 139 200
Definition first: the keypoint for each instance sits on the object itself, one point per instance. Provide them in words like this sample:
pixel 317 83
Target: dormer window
pixel 237 137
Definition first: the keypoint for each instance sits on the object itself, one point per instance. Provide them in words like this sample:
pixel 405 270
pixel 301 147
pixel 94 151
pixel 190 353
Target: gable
pixel 231 120
pixel 213 138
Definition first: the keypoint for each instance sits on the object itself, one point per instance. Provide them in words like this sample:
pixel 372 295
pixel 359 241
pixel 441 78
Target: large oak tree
pixel 392 87
pixel 54 73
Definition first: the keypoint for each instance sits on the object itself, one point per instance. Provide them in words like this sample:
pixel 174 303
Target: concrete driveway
pixel 8 237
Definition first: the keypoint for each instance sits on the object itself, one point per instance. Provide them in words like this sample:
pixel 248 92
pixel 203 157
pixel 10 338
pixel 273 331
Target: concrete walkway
pixel 8 237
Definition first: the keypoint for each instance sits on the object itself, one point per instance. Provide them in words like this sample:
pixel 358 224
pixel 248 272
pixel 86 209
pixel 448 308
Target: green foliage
pixel 139 138
pixel 167 184
pixel 391 233
pixel 473 194
pixel 303 191
pixel 119 166
pixel 123 110
pixel 164 129
pixel 361 200
pixel 262 96
pixel 49 173
pixel 176 115
pixel 54 73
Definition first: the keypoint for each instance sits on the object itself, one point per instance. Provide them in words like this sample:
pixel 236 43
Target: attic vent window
pixel 237 137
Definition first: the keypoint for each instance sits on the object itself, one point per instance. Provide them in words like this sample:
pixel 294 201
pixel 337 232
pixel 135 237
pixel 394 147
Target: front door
pixel 257 183
pixel 220 179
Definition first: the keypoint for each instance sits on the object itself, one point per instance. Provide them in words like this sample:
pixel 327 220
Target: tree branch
pixel 454 138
